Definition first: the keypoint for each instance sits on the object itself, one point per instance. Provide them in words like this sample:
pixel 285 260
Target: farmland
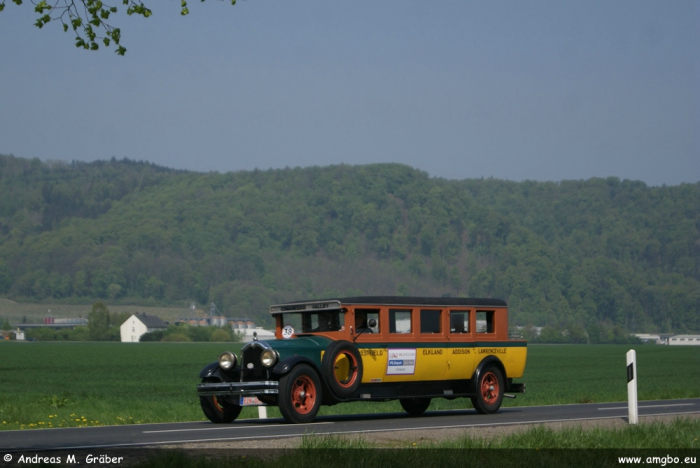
pixel 88 384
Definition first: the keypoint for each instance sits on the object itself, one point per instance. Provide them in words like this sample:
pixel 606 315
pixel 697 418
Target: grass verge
pixel 674 443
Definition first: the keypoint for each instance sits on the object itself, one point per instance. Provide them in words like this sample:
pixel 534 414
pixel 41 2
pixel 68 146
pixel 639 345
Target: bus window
pixel 430 321
pixel 484 321
pixel 399 321
pixel 362 319
pixel 459 321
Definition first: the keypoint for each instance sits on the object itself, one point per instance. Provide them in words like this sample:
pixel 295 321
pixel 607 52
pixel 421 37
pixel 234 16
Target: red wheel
pixel 303 395
pixel 300 395
pixel 490 388
pixel 489 391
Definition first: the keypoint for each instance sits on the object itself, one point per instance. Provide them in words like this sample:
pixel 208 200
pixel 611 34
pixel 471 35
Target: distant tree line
pixel 597 252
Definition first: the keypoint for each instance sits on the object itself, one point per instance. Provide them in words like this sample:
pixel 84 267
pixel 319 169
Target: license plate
pixel 251 401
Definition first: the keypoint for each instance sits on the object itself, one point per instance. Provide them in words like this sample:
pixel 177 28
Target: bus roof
pixel 316 305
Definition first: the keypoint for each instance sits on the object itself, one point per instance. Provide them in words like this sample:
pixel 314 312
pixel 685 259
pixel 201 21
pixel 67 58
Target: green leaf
pixel 94 46
pixel 65 27
pixel 185 11
pixel 106 41
pixel 121 50
pixel 2 6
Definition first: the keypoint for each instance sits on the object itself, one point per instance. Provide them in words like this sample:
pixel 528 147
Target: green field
pixel 78 384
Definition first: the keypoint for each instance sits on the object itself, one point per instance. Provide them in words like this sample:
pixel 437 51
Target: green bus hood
pixel 303 343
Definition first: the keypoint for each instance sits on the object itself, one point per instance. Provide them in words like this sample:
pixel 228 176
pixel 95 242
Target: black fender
pixel 214 371
pixel 285 366
pixel 488 361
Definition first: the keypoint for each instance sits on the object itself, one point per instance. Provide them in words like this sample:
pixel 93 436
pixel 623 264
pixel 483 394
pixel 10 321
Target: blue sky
pixel 510 90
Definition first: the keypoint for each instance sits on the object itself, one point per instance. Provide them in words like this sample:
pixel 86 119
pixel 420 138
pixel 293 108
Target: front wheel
pixel 489 391
pixel 415 406
pixel 217 410
pixel 300 395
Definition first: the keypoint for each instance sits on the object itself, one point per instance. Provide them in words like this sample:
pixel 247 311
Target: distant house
pixel 684 340
pixel 138 325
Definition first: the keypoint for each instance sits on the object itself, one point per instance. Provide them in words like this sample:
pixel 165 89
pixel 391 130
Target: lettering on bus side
pixel 429 352
pixel 461 351
pixel 492 350
pixel 371 352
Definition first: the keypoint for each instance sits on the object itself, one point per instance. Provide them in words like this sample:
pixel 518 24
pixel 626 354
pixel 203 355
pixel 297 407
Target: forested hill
pixel 594 253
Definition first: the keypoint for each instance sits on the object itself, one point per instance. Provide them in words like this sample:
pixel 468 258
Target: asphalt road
pixel 176 433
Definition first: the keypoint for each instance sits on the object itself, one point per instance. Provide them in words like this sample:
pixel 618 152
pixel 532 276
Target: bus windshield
pixel 310 322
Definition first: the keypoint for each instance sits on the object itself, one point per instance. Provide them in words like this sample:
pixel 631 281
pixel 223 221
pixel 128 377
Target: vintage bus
pixel 375 348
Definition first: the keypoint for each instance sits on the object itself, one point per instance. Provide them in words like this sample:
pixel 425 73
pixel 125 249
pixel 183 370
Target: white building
pixel 687 340
pixel 650 337
pixel 140 324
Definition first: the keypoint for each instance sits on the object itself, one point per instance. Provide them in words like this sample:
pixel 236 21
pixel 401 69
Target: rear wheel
pixel 300 395
pixel 415 406
pixel 489 391
pixel 218 410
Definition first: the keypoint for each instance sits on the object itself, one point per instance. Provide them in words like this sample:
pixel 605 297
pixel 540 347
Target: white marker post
pixel 262 412
pixel 632 387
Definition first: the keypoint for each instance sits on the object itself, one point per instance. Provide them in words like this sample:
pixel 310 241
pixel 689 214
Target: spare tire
pixel 341 368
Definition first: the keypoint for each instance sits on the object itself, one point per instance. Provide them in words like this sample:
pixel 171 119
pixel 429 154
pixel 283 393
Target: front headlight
pixel 269 357
pixel 227 360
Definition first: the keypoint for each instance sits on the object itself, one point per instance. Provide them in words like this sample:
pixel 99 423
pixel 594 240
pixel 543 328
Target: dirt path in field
pixel 416 438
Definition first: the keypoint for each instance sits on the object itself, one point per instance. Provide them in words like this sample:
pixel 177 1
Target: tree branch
pixel 91 25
